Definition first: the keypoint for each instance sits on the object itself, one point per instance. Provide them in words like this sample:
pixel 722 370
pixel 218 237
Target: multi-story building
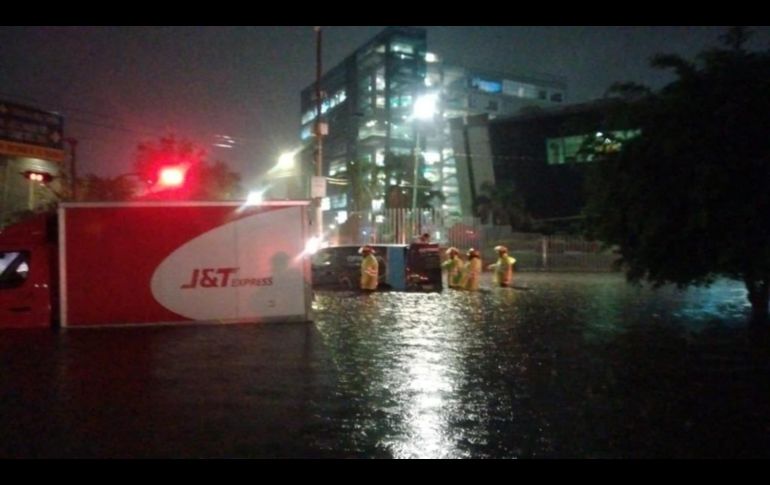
pixel 541 154
pixel 467 93
pixel 31 157
pixel 368 103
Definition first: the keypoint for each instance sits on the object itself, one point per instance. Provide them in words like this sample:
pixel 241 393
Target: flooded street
pixel 562 366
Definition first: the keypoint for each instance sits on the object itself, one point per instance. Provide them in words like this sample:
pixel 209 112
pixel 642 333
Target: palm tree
pixel 363 184
pixel 502 205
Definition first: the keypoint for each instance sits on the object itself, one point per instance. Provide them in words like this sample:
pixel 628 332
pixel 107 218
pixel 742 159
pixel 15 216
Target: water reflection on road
pixel 563 366
pixel 533 371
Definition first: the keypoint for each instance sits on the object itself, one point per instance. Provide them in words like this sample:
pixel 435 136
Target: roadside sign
pixel 30 132
pixel 318 188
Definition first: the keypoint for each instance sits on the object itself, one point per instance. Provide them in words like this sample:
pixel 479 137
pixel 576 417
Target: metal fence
pixel 533 251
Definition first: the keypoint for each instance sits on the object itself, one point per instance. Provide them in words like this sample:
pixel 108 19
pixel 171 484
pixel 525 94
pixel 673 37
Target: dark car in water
pixel 405 267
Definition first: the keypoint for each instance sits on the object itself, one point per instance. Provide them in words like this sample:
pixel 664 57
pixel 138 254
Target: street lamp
pixel 35 177
pixel 320 130
pixel 424 109
pixel 283 177
pixel 285 162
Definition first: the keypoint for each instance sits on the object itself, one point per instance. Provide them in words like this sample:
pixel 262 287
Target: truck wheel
pixel 346 283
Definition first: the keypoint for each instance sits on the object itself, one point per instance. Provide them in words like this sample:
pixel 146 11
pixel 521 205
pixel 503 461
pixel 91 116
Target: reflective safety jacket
pixel 472 274
pixel 454 267
pixel 503 269
pixel 370 269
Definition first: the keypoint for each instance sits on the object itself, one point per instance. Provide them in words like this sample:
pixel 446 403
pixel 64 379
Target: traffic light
pixel 171 177
pixel 41 177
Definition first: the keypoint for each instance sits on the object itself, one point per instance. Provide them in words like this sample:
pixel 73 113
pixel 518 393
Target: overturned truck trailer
pixel 140 263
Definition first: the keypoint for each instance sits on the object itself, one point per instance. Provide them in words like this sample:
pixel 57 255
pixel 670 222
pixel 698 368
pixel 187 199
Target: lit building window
pixel 337 167
pixel 431 157
pixel 402 48
pixel 486 85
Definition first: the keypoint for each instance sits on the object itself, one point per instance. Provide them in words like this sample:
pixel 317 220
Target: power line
pixel 242 140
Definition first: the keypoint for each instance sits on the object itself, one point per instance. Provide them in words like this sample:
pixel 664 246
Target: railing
pixel 533 251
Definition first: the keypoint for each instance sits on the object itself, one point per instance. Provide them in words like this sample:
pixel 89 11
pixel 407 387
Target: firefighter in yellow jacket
pixel 454 266
pixel 370 269
pixel 503 268
pixel 472 270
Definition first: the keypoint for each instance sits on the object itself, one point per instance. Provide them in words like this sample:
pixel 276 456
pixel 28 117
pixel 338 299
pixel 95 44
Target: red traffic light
pixel 171 177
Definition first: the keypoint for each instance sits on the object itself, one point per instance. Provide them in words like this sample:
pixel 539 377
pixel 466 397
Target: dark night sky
pixel 117 86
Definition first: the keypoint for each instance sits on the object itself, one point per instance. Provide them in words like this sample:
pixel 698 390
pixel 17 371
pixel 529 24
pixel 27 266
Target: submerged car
pixel 404 267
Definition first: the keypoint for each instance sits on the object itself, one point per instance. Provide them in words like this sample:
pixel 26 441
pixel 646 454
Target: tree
pixel 202 181
pixel 397 174
pixel 94 188
pixel 502 205
pixel 213 181
pixel 399 182
pixel 362 184
pixel 688 200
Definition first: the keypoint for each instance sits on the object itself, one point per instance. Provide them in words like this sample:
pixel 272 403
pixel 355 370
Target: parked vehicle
pixel 93 264
pixel 404 267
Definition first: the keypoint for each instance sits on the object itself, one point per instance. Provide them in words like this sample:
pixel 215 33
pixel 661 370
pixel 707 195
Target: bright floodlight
pixel 425 106
pixel 285 162
pixel 313 245
pixel 255 197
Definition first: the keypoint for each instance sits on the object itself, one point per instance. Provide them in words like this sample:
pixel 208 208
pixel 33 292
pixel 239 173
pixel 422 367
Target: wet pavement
pixel 562 366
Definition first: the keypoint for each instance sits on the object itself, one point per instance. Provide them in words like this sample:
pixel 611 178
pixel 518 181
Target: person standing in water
pixel 454 266
pixel 503 268
pixel 472 270
pixel 370 269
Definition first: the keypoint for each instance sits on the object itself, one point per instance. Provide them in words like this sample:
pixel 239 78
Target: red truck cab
pixel 28 275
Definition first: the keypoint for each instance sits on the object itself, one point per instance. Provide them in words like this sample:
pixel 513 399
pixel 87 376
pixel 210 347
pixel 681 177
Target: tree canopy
pixel 202 180
pixel 502 205
pixel 688 199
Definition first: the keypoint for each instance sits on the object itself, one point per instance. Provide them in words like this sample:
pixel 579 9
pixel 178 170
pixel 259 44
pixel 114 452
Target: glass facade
pixel 368 104
pixel 582 148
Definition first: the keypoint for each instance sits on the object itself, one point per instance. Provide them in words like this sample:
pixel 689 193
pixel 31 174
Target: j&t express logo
pixel 217 275
pixel 222 278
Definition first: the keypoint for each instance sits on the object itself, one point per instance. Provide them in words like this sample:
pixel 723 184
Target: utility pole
pixel 320 129
pixel 73 167
pixel 31 194
pixel 415 218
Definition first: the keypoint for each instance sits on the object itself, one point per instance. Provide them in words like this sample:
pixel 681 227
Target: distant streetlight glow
pixel 313 245
pixel 285 162
pixel 255 197
pixel 425 107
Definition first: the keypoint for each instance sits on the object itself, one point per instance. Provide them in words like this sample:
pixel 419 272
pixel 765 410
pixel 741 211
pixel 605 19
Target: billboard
pixel 30 132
